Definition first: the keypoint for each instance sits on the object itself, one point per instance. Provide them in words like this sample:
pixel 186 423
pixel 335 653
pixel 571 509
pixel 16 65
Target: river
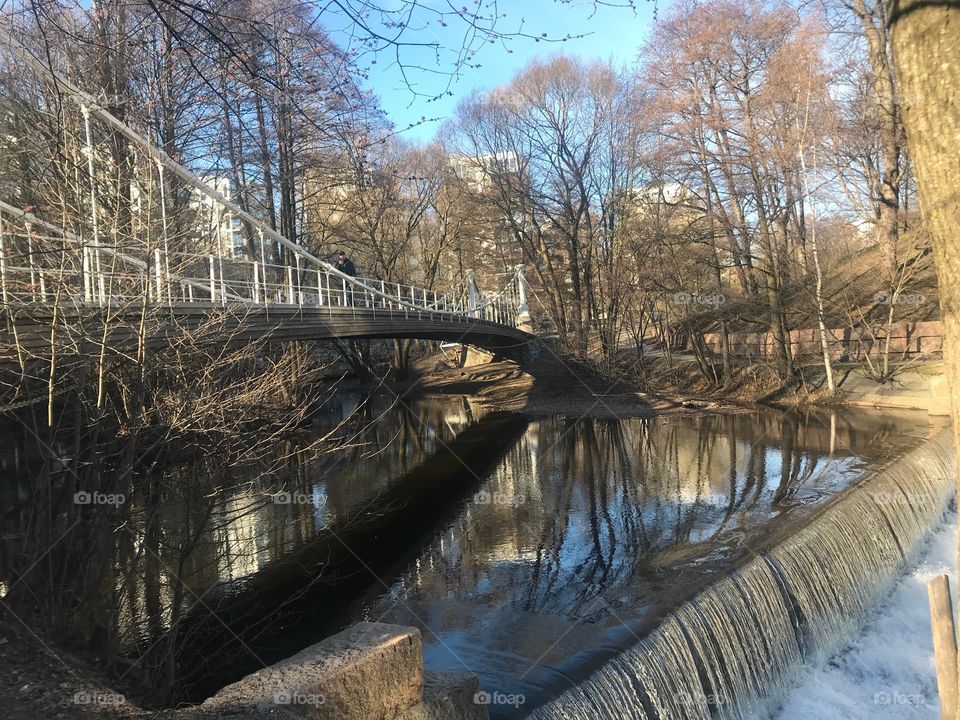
pixel 527 551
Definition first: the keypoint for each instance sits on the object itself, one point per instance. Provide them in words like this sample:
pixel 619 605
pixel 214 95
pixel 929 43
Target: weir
pixel 726 651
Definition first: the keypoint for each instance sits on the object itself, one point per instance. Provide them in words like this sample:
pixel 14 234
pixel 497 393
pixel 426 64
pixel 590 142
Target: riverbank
pixel 560 385
pixel 39 680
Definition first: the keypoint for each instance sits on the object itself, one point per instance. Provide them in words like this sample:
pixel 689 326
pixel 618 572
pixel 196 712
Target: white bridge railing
pixel 41 264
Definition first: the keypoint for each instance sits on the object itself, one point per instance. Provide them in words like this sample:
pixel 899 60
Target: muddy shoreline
pixel 559 388
pixel 555 385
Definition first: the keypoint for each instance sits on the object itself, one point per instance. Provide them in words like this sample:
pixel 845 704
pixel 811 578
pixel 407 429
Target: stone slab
pixel 369 671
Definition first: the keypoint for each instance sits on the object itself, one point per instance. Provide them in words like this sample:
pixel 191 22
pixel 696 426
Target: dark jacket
pixel 346 266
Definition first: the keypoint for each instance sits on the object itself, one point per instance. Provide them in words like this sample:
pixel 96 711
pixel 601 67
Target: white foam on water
pixel 888 670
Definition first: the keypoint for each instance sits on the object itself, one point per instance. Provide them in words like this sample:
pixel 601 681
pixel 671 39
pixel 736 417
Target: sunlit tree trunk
pixel 927 58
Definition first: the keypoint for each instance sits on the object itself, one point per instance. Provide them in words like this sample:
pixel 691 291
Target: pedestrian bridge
pixel 121 244
pixel 59 293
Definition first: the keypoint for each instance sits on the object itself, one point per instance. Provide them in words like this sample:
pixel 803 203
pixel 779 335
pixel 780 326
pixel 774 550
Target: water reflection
pixel 590 530
pixel 525 551
pixel 208 556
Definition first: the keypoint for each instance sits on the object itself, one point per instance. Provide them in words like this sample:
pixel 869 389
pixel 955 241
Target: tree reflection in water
pixel 589 530
pixel 524 551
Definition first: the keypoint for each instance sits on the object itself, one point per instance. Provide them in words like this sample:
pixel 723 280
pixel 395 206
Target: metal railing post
pixel 88 281
pixel 473 295
pixel 88 151
pixel 158 271
pixel 263 265
pixel 213 281
pixel 3 266
pixel 299 289
pixel 33 270
pixel 522 319
pixel 223 282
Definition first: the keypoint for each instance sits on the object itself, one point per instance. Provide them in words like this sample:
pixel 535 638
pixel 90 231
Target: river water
pixel 527 551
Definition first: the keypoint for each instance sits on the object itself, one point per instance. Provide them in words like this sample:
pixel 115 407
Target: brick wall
pixel 907 339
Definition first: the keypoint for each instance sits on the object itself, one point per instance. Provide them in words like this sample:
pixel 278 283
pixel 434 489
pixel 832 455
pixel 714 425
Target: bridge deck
pixel 80 328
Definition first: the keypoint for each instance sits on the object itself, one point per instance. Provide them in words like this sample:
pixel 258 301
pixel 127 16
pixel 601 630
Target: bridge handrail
pixel 500 302
pixel 68 236
pixel 223 290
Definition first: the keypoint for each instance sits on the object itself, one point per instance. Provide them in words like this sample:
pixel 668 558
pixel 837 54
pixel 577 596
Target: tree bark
pixel 884 96
pixel 927 58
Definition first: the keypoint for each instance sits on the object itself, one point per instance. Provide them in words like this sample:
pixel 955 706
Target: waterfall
pixel 724 653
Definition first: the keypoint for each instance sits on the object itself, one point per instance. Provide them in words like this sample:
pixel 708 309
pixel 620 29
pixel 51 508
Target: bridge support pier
pixel 472 356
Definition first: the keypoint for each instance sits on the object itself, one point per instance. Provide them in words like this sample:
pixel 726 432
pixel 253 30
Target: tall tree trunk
pixel 884 96
pixel 924 37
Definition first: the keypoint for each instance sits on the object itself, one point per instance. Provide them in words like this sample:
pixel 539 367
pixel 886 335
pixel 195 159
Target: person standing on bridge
pixel 346 266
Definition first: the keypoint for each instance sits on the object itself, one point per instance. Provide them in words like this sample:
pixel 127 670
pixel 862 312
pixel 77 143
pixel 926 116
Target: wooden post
pixel 944 644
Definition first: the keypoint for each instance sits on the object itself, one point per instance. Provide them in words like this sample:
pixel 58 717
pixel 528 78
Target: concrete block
pixel 476 356
pixel 370 670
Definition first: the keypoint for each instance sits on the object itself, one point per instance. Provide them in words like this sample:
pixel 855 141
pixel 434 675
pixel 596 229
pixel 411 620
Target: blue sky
pixel 611 33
